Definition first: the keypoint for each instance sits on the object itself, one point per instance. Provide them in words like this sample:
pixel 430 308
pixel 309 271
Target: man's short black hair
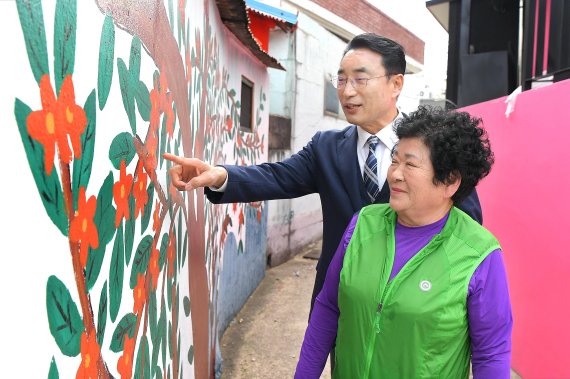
pixel 459 146
pixel 393 55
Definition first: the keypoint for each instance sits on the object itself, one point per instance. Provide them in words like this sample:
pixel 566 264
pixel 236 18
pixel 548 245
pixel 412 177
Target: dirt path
pixel 265 338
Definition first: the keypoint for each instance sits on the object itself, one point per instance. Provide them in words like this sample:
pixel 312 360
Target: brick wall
pixel 371 19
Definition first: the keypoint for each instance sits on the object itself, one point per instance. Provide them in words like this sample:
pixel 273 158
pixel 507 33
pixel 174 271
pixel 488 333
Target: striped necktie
pixel 371 170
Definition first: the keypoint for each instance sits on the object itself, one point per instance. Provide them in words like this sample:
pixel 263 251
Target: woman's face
pixel 413 194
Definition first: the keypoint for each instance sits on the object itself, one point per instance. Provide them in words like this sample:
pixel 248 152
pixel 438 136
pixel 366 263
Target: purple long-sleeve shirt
pixel 488 307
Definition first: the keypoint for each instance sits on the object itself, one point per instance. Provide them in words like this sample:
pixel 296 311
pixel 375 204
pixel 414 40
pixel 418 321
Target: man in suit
pixel 347 168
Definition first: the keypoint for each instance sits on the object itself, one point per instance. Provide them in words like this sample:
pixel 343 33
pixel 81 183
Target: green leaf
pixel 102 315
pixel 147 208
pixel 240 247
pixel 82 166
pixel 65 323
pixel 153 316
pixel 48 186
pixel 130 225
pixel 127 93
pixel 186 303
pixel 143 101
pixel 64 39
pixel 116 273
pixel 135 61
pixel 163 248
pixel 122 149
pixel 127 326
pixel 191 354
pixel 162 330
pixel 32 22
pixel 53 372
pixel 105 222
pixel 156 344
pixel 140 260
pixel 106 61
pixel 142 367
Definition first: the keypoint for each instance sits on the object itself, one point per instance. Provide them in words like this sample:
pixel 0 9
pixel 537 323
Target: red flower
pixel 58 120
pixel 241 218
pixel 82 229
pixel 259 215
pixel 229 123
pixel 125 363
pixel 151 146
pixel 90 353
pixel 170 252
pixel 153 268
pixel 234 207
pixel 121 192
pixel 155 216
pixel 139 190
pixel 139 294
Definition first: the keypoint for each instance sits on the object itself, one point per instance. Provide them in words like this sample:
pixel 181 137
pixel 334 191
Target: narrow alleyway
pixel 264 339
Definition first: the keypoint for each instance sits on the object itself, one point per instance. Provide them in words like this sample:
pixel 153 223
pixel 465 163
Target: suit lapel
pixel 347 162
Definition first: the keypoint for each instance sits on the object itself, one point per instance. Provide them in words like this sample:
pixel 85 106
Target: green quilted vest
pixel 416 325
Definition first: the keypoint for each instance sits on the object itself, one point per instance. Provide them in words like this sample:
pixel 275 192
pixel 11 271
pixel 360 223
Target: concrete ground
pixel 264 340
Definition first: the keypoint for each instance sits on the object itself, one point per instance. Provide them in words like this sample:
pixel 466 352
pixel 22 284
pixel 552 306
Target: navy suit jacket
pixel 327 165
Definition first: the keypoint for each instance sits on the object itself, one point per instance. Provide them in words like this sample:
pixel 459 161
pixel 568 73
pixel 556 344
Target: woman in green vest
pixel 417 289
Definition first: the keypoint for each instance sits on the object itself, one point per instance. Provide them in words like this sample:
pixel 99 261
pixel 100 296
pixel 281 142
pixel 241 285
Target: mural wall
pixel 109 271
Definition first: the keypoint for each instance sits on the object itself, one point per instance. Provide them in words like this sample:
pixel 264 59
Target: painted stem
pixel 78 269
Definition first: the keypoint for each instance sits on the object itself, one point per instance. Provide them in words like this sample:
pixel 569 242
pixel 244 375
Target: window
pixel 331 99
pixel 245 117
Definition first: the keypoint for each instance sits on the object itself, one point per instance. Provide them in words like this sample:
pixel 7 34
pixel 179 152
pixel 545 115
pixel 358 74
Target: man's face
pixel 372 104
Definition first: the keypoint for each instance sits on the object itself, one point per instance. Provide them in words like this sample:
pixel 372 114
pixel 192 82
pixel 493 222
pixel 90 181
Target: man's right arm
pixel 290 178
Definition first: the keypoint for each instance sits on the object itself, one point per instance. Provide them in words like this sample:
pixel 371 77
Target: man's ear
pixel 397 83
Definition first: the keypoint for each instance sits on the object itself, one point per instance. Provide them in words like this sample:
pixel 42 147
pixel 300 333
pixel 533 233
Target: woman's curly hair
pixel 459 146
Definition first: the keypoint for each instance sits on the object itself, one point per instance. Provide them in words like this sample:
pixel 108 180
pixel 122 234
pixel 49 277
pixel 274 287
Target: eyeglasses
pixel 357 83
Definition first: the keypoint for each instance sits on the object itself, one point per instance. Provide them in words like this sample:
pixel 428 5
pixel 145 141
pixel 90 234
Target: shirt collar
pixel 386 135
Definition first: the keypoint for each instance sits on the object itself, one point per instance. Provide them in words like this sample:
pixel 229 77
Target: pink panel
pixel 526 205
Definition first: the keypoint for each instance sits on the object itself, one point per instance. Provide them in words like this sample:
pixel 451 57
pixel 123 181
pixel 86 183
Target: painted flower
pixel 151 145
pixel 229 123
pixel 156 216
pixel 153 268
pixel 125 363
pixel 139 294
pixel 90 353
pixel 121 192
pixel 59 119
pixel 170 254
pixel 241 217
pixel 139 190
pixel 82 229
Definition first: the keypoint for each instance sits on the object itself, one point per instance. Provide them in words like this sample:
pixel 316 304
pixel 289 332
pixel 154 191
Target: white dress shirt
pixel 388 140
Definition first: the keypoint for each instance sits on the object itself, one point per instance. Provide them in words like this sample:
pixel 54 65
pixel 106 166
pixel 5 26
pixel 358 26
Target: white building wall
pixel 311 55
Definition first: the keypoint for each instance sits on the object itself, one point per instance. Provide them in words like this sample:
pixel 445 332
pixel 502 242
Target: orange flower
pixel 82 229
pixel 151 145
pixel 259 215
pixel 170 252
pixel 154 106
pixel 125 363
pixel 229 123
pixel 155 216
pixel 90 353
pixel 139 294
pixel 241 218
pixel 57 120
pixel 153 268
pixel 121 192
pixel 139 190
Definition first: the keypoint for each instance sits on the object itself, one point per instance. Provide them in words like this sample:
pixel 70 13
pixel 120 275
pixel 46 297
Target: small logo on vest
pixel 425 285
